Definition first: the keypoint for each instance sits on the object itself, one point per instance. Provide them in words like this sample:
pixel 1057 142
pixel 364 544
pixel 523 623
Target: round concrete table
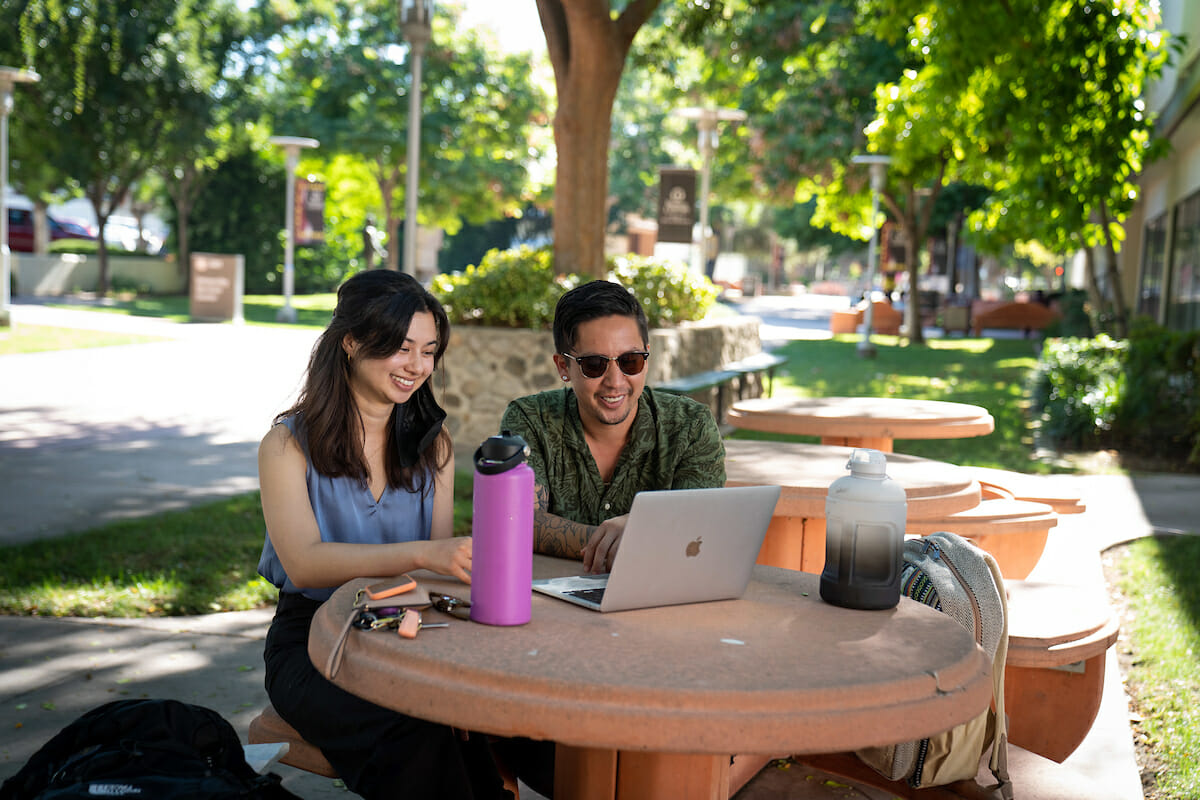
pixel 861 421
pixel 796 537
pixel 670 693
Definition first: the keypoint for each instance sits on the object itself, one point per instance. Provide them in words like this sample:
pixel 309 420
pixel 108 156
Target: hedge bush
pixel 1141 395
pixel 1075 388
pixel 518 289
pixel 1160 404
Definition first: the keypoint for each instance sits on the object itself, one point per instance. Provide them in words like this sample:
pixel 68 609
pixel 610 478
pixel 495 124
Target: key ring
pixel 366 620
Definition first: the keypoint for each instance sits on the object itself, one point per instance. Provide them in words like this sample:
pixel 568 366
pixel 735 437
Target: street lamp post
pixel 292 146
pixel 879 165
pixel 706 122
pixel 9 77
pixel 416 17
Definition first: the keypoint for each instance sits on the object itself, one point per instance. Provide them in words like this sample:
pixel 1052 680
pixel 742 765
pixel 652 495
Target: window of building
pixel 1154 264
pixel 1183 308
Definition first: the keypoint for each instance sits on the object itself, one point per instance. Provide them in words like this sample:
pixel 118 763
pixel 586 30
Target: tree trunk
pixel 587 49
pixel 183 247
pixel 1113 278
pixel 1097 298
pixel 97 194
pixel 183 191
pixel 101 245
pixel 912 308
pixel 391 224
pixel 914 223
pixel 41 227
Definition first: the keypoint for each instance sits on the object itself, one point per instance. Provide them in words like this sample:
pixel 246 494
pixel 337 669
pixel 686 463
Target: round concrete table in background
pixel 861 421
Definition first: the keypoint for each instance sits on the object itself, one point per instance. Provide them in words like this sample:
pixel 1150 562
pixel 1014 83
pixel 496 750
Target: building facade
pixel 1160 261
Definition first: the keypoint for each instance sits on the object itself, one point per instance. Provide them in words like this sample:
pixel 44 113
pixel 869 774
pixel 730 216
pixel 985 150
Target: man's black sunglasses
pixel 631 363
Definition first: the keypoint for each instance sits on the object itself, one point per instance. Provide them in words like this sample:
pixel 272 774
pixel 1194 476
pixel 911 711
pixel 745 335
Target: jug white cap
pixel 867 463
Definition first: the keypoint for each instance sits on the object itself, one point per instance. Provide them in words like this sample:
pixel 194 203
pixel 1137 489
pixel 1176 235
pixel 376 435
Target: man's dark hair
pixel 592 301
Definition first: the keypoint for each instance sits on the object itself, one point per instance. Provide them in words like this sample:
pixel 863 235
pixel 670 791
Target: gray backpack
pixel 959 578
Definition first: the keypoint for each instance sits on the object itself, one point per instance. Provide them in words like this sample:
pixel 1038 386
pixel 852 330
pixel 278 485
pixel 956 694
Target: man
pixel 604 437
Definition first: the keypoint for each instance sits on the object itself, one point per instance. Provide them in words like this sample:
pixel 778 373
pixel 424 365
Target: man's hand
pixel 601 549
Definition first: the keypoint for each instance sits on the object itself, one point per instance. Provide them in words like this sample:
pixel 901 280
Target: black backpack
pixel 146 749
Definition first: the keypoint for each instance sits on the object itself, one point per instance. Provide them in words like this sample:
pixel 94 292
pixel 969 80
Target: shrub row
pixel 519 288
pixel 1140 395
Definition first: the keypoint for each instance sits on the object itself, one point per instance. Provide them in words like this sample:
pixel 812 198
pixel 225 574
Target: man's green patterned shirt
pixel 674 444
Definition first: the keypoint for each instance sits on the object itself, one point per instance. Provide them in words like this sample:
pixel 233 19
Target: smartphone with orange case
pixel 390 588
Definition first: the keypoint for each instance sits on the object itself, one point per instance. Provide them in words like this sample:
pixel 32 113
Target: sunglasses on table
pixel 449 604
pixel 631 363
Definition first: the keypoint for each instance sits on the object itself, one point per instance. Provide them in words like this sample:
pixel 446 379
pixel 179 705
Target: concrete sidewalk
pixel 92 435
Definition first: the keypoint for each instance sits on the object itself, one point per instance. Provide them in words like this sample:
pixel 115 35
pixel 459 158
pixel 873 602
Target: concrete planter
pixel 484 368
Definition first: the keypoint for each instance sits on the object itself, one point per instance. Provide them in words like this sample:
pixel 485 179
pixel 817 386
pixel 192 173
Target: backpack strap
pixel 998 763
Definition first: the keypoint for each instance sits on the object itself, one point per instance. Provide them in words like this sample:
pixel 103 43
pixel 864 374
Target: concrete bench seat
pixel 1012 316
pixel 1034 488
pixel 735 374
pixel 845 321
pixel 1059 635
pixel 762 363
pixel 268 728
pixel 1033 778
pixel 884 319
pixel 1014 531
pixel 716 379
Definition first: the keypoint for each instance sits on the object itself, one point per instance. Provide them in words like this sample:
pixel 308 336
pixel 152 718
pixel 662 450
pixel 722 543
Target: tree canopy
pixel 122 83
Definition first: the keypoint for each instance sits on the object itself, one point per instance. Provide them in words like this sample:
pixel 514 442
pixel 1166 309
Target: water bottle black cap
pixel 500 453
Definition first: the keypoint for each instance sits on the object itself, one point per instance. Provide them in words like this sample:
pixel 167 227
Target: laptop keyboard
pixel 591 595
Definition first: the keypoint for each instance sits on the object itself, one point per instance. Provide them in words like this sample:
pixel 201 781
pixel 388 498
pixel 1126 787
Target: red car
pixel 20 230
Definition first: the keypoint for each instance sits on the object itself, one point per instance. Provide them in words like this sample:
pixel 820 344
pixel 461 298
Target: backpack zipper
pixel 976 613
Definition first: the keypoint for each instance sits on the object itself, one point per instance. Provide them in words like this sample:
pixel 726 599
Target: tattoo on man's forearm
pixel 555 536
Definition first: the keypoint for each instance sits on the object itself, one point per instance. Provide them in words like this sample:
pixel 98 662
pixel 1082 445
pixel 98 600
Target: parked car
pixel 123 232
pixel 20 229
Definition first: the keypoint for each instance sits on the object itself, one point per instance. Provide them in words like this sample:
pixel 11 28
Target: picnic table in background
pixel 796 536
pixel 861 421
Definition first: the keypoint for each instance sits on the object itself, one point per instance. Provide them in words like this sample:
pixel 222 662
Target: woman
pixel 357 480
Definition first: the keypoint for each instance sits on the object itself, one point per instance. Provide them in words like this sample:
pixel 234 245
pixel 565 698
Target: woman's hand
pixel 449 557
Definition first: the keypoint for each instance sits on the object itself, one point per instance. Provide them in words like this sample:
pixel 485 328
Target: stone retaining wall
pixel 484 368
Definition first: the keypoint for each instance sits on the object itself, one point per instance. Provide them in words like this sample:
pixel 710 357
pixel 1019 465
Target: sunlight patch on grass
pixel 43 338
pixel 1158 577
pixel 966 345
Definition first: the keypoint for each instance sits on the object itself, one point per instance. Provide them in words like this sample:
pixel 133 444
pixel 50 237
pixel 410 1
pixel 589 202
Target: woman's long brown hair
pixel 375 307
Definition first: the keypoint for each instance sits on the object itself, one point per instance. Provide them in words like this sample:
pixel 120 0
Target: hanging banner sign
pixel 309 214
pixel 676 204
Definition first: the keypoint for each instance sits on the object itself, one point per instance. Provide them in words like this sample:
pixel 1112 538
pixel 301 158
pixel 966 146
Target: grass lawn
pixel 260 309
pixel 984 372
pixel 1157 578
pixel 195 561
pixel 41 338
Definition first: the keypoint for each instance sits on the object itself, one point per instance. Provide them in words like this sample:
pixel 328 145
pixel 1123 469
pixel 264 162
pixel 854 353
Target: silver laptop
pixel 679 546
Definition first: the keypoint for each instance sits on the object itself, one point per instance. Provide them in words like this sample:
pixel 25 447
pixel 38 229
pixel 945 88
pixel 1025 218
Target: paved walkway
pixel 92 435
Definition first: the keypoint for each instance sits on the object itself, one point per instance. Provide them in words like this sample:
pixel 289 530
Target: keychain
pixel 407 623
pixel 410 623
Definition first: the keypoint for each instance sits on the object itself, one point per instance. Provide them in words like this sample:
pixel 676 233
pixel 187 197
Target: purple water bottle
pixel 502 531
